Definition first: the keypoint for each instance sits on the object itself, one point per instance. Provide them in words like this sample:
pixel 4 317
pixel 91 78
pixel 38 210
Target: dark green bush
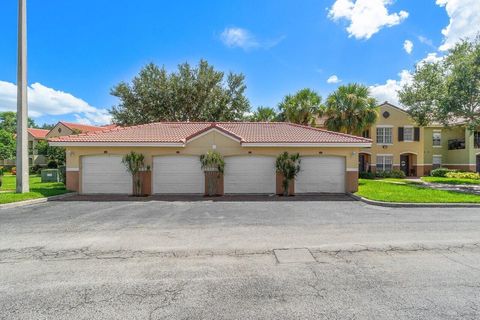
pixel 52 164
pixel 441 172
pixel 366 175
pixel 35 169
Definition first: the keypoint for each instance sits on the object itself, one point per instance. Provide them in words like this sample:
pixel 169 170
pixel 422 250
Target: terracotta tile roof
pixel 246 132
pixel 38 133
pixel 82 127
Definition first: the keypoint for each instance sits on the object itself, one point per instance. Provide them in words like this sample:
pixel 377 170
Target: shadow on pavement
pixel 197 198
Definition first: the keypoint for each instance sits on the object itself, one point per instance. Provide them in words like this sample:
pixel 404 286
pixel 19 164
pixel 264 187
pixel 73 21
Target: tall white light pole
pixel 22 104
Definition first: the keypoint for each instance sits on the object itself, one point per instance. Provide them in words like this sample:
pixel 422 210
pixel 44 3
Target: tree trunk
pixel 286 185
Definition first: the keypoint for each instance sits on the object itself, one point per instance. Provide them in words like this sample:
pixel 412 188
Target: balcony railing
pixel 456 144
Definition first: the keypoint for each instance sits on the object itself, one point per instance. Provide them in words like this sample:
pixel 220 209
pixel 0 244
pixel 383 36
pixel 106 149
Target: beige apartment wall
pixel 397 118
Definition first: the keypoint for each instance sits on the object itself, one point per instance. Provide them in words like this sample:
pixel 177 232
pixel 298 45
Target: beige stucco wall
pixel 396 119
pixel 64 131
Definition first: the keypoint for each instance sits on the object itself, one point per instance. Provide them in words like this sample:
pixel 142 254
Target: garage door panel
pixel 178 175
pixel 105 174
pixel 321 175
pixel 249 174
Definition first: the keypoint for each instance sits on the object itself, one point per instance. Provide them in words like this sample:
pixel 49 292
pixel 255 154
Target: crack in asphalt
pixel 167 297
pixel 86 253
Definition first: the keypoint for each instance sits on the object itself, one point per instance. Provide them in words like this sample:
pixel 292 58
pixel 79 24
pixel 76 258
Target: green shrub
pixel 63 173
pixel 463 175
pixel 52 164
pixel 441 172
pixel 135 162
pixel 35 169
pixel 366 175
pixel 397 174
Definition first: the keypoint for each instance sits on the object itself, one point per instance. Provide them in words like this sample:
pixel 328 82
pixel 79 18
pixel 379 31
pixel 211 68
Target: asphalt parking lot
pixel 238 260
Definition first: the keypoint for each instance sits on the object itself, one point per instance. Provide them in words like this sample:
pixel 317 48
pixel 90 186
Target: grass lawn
pixel 37 189
pixel 450 180
pixel 393 191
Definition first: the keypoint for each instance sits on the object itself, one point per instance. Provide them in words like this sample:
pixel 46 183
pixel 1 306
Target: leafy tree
pixel 303 107
pixel 190 94
pixel 56 154
pixel 264 114
pixel 350 109
pixel 46 126
pixel 289 166
pixel 8 121
pixel 7 145
pixel 448 90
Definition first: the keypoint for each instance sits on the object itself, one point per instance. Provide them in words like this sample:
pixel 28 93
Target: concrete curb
pixel 35 201
pixel 413 205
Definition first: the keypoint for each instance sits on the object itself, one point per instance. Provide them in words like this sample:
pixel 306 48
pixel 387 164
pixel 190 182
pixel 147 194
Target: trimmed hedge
pixel 441 172
pixel 397 174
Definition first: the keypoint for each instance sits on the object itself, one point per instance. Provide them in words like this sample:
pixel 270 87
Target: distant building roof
pixel 38 133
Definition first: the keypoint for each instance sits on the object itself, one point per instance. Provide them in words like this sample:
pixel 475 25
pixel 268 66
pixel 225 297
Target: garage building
pixel 329 160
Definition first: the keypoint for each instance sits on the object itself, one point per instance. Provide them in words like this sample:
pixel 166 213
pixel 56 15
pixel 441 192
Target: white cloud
pixel 464 21
pixel 366 17
pixel 388 91
pixel 333 79
pixel 238 37
pixel 242 38
pixel 43 100
pixel 408 46
pixel 431 58
pixel 425 40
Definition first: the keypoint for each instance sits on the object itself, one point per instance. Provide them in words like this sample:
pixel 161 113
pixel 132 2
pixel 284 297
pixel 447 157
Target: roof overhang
pixel 312 144
pixel 115 144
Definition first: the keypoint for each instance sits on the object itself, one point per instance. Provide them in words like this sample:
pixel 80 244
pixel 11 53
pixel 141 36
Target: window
pixel 407 133
pixel 366 133
pixel 384 135
pixel 384 163
pixel 436 162
pixel 437 139
pixel 476 139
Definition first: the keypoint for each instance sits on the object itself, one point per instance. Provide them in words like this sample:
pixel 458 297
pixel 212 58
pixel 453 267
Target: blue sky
pixel 78 50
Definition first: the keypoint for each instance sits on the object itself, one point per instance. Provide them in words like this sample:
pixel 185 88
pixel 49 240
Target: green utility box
pixel 50 175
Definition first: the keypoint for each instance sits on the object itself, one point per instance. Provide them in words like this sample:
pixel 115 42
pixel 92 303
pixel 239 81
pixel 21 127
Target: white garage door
pixel 249 174
pixel 178 174
pixel 105 174
pixel 321 174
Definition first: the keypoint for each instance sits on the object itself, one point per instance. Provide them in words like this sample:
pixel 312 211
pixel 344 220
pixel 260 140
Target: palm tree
pixel 303 107
pixel 350 109
pixel 264 114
